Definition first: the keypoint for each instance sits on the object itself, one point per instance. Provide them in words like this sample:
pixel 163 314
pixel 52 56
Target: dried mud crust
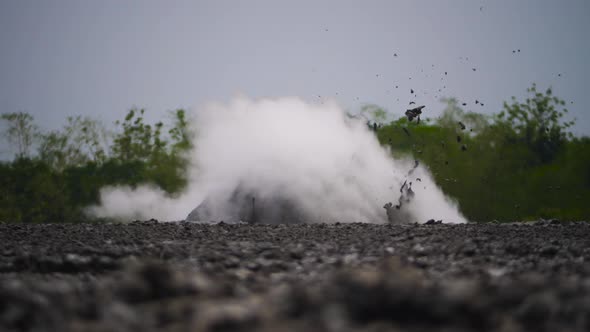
pixel 148 276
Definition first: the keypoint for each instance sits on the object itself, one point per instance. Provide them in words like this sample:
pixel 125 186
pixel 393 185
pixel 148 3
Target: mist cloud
pixel 330 165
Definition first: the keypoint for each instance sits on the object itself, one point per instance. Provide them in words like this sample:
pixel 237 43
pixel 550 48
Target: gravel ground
pixel 147 276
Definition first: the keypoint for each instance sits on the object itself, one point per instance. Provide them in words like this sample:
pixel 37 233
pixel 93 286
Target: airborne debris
pixel 406 131
pixel 416 164
pixel 406 196
pixel 414 112
pixel 461 125
pixel 412 91
pixel 464 147
pixel 458 138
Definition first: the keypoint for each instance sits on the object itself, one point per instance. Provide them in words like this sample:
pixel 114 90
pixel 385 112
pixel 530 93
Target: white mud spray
pixel 329 165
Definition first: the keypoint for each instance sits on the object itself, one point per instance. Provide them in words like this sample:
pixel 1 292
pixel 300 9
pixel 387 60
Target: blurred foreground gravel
pixel 150 276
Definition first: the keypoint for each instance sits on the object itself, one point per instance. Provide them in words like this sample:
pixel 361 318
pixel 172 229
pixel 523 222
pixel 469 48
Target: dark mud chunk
pixel 414 112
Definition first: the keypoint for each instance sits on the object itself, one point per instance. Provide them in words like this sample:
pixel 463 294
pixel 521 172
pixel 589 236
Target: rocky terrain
pixel 151 276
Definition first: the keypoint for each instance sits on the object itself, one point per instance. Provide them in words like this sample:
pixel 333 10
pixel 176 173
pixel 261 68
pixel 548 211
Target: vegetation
pixel 74 163
pixel 516 165
pixel 521 164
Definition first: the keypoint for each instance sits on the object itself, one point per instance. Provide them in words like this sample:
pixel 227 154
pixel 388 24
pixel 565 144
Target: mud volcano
pixel 244 205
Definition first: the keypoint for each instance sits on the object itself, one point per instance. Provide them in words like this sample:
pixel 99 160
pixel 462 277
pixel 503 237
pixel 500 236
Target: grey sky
pixel 100 58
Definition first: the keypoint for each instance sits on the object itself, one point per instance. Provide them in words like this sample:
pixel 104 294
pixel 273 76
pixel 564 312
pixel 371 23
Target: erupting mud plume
pixel 321 163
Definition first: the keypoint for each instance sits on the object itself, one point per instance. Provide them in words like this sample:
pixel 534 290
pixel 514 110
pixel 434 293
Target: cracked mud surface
pixel 149 276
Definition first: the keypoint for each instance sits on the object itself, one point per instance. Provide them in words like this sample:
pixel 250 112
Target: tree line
pixel 519 164
pixel 55 175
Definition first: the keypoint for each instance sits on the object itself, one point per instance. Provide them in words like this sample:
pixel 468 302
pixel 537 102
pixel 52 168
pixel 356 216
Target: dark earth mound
pixel 247 206
pixel 147 276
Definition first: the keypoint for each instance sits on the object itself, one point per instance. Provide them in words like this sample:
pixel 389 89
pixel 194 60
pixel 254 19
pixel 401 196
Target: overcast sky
pixel 100 58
